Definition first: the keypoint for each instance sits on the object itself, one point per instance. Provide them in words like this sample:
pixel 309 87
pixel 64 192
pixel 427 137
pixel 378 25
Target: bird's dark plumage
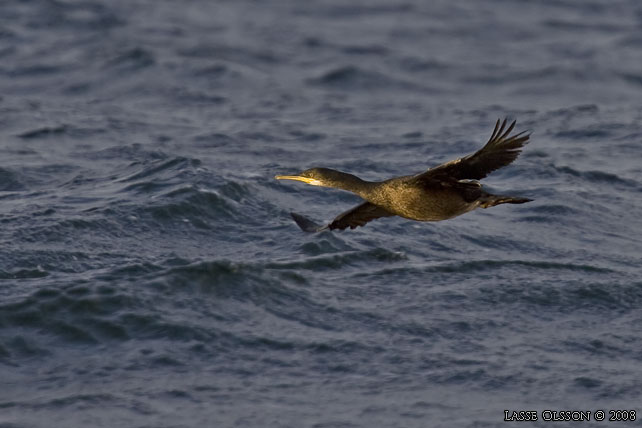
pixel 442 192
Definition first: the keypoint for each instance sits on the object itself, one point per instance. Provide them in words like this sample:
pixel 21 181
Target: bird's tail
pixel 306 224
pixel 492 200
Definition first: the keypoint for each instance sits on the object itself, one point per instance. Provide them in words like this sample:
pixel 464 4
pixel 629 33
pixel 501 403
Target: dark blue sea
pixel 151 275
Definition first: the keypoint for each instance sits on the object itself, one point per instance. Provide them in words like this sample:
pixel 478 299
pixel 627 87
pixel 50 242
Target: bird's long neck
pixel 351 183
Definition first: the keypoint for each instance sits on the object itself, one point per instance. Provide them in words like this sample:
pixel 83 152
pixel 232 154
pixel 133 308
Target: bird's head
pixel 314 176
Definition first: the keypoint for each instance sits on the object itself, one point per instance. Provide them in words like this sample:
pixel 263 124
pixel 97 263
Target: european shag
pixel 440 193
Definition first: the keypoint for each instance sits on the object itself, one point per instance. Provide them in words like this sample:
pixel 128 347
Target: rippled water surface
pixel 150 274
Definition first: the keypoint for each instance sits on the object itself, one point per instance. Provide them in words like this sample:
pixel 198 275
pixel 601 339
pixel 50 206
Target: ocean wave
pixel 156 168
pixel 356 10
pixel 596 176
pixel 131 60
pixel 61 130
pixel 10 180
pixel 338 261
pixel 242 281
pixel 520 269
pixel 550 213
pixel 618 296
pixel 213 140
pixel 24 274
pixel 199 207
pixel 86 15
pixel 77 314
pixel 353 77
pixel 108 309
pixel 482 265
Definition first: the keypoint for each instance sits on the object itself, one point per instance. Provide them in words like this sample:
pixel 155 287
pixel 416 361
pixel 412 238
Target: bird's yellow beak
pixel 308 180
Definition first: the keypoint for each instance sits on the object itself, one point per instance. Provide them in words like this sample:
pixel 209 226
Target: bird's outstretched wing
pixel 354 217
pixel 500 150
pixel 358 216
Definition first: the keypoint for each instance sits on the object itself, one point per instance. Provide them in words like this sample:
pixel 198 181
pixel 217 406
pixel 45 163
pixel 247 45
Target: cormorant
pixel 440 193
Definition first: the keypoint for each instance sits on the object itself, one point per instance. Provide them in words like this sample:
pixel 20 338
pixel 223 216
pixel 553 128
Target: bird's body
pixel 440 193
pixel 401 197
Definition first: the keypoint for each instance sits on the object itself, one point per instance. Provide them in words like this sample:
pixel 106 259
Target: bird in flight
pixel 445 191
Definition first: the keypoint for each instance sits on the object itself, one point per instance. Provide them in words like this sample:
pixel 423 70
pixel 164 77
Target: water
pixel 150 274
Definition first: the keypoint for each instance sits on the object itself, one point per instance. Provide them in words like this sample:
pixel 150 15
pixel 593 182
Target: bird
pixel 440 193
